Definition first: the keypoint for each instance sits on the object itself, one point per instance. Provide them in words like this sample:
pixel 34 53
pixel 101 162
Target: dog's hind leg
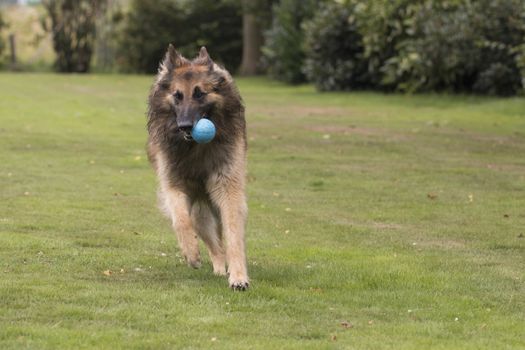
pixel 207 228
pixel 177 207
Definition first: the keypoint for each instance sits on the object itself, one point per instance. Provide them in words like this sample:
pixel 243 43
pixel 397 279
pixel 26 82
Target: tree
pixel 150 25
pixel 256 16
pixel 73 30
pixel 3 24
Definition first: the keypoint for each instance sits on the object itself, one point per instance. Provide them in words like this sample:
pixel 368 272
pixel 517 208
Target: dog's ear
pixel 204 58
pixel 173 59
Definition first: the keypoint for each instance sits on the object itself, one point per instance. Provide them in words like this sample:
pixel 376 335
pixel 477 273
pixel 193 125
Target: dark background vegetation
pixel 391 45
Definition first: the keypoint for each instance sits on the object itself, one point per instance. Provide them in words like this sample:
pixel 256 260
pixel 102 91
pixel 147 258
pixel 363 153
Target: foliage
pixel 151 25
pixel 284 49
pixel 501 24
pixel 472 46
pixel 73 30
pixel 438 52
pixel 335 49
pixel 419 45
pixel 3 25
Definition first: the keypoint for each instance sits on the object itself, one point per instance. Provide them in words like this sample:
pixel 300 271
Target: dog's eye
pixel 178 96
pixel 197 93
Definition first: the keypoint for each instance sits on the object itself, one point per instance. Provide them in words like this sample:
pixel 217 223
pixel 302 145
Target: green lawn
pixel 376 222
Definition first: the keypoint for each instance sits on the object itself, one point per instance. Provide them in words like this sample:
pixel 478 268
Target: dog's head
pixel 188 90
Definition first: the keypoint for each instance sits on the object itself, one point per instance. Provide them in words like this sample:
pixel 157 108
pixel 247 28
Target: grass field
pixel 376 222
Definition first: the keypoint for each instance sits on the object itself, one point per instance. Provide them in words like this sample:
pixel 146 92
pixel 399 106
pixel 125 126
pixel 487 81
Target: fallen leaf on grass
pixel 347 325
pixel 432 195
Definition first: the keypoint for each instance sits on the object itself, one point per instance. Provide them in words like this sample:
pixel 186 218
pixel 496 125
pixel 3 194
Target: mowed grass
pixel 376 222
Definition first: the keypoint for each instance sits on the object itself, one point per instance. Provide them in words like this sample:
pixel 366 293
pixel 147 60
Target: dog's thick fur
pixel 201 186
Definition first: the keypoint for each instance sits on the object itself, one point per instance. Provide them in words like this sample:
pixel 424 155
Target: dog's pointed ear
pixel 203 53
pixel 204 58
pixel 173 59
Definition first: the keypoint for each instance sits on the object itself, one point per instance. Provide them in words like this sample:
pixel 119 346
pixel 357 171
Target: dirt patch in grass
pixel 358 131
pixel 442 244
pixel 346 130
pixel 298 111
pixel 386 226
pixel 514 168
pixel 516 140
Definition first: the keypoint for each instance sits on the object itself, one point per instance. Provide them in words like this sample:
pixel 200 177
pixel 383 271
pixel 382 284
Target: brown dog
pixel 201 186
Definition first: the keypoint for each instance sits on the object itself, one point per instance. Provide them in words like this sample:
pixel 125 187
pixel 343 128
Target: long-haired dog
pixel 201 186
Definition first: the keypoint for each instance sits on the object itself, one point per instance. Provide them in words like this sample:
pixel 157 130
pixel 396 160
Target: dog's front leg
pixel 228 196
pixel 178 207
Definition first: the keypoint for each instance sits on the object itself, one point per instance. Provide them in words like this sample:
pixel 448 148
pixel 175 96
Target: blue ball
pixel 203 131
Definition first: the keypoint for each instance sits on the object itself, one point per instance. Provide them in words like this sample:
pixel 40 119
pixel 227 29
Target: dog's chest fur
pixel 191 165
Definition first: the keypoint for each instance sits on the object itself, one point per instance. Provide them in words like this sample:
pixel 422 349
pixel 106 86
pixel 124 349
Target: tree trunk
pixel 252 40
pixel 12 49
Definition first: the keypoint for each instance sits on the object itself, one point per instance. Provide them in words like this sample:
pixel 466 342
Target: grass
pixel 376 222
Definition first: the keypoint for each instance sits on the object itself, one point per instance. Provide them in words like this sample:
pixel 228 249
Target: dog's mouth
pixel 187 135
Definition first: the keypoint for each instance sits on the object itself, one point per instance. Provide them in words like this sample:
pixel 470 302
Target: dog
pixel 201 186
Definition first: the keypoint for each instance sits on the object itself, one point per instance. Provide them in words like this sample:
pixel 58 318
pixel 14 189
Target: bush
pixel 335 50
pixel 151 25
pixel 419 45
pixel 73 30
pixel 384 25
pixel 438 54
pixel 283 53
pixel 501 24
pixel 3 25
pixel 461 47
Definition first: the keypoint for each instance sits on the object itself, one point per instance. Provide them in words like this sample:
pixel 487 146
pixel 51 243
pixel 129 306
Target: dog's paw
pixel 239 285
pixel 195 263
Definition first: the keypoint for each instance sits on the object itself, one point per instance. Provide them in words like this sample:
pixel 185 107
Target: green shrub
pixel 3 25
pixel 384 25
pixel 439 52
pixel 501 24
pixel 284 52
pixel 73 29
pixel 469 46
pixel 418 45
pixel 151 25
pixel 335 50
